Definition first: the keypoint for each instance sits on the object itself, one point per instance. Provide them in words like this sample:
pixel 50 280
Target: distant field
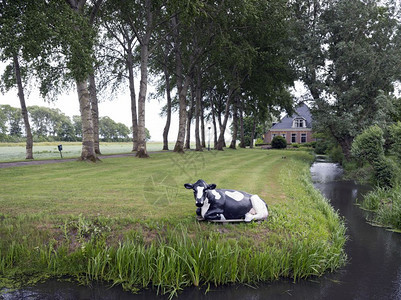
pixel 16 151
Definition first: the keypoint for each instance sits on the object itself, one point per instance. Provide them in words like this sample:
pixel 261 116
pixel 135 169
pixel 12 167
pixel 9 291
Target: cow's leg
pixel 214 214
pixel 258 211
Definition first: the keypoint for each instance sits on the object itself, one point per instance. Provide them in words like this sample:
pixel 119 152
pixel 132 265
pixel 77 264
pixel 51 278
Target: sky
pixel 118 109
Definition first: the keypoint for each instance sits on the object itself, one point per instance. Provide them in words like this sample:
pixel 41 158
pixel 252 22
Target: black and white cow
pixel 221 204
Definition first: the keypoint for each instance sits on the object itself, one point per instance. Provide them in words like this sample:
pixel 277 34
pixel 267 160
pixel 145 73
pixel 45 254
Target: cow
pixel 222 204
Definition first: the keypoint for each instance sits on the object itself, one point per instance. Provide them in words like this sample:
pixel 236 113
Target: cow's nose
pixel 199 204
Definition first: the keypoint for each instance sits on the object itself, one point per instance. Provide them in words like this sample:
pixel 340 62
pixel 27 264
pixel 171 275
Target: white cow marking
pixel 205 207
pixel 216 195
pixel 237 196
pixel 200 192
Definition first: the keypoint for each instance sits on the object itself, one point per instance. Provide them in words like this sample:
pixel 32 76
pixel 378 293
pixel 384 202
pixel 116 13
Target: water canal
pixel 373 271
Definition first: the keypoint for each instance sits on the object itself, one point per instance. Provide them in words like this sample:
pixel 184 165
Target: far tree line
pixel 50 124
pixel 215 60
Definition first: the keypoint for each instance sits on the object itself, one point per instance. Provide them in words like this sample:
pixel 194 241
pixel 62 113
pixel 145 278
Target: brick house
pixel 295 129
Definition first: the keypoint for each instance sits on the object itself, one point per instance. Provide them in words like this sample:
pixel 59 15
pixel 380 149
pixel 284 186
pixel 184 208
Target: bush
pixel 368 146
pixel 295 145
pixel 336 154
pixel 321 147
pixel 259 141
pixel 395 136
pixel 279 142
pixel 385 172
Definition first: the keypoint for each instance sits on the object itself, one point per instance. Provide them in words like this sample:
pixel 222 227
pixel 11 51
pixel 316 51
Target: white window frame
pixel 298 122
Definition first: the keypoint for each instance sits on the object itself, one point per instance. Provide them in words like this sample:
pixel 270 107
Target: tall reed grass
pixel 385 203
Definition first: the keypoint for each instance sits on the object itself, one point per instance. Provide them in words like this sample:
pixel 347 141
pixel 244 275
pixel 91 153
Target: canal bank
pixel 373 271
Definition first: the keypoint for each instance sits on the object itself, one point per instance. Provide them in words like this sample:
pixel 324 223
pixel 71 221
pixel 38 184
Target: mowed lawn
pixel 130 221
pixel 140 188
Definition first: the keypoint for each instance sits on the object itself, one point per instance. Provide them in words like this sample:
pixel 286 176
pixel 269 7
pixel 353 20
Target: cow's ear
pixel 212 186
pixel 188 186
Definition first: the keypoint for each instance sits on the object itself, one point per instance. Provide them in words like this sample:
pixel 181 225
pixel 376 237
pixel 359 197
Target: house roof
pixel 302 111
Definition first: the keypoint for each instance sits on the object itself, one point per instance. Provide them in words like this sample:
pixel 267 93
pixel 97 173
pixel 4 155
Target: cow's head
pixel 200 187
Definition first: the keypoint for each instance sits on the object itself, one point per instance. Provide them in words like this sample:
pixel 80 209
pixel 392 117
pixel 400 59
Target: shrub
pixel 295 145
pixel 395 136
pixel 259 141
pixel 336 154
pixel 368 146
pixel 279 142
pixel 385 172
pixel 321 147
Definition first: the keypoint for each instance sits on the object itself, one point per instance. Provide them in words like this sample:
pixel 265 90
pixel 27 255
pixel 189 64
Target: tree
pixel 21 38
pixel 79 50
pixel 354 57
pixel 118 17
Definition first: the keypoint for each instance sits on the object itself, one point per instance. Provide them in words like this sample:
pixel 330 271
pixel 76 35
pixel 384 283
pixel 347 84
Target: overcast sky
pixel 118 109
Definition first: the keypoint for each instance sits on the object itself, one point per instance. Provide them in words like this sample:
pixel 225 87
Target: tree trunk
pixel 241 122
pixel 142 152
pixel 198 95
pixel 168 112
pixel 235 126
pixel 346 143
pixel 221 129
pixel 202 117
pixel 130 66
pixel 95 112
pixel 21 96
pixel 88 144
pixel 253 132
pixel 182 115
pixel 182 88
pixel 214 125
pixel 189 120
pixel 221 142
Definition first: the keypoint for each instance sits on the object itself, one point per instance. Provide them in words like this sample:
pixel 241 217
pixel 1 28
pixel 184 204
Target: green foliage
pixel 385 172
pixel 352 93
pixel 278 142
pixel 259 141
pixel 336 154
pixel 395 134
pixel 368 146
pixel 386 203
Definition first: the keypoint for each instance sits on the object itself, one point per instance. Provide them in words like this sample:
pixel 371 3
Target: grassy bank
pixel 131 222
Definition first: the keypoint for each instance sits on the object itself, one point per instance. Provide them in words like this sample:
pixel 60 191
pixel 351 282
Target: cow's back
pixel 236 204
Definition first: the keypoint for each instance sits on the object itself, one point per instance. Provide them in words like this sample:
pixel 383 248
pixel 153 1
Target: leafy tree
pixel 21 39
pixel 348 55
pixel 77 124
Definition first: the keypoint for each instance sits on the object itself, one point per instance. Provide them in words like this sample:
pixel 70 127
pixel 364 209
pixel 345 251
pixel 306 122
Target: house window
pixel 303 137
pixel 273 135
pixel 293 137
pixel 283 135
pixel 299 123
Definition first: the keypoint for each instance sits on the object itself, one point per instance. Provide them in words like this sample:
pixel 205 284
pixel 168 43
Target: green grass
pixel 131 222
pixel 49 150
pixel 385 204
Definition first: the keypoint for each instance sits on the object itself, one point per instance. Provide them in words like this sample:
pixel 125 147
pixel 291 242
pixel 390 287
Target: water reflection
pixel 373 272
